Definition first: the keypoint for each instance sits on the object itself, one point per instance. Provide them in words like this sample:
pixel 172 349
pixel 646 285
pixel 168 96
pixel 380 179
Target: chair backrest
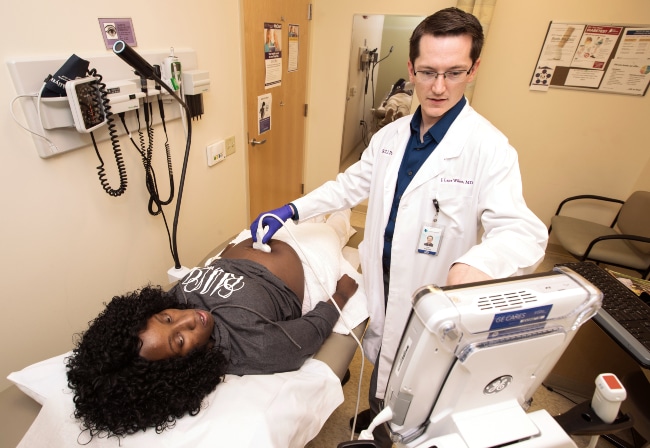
pixel 634 219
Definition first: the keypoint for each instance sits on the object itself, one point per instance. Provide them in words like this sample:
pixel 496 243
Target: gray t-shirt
pixel 258 322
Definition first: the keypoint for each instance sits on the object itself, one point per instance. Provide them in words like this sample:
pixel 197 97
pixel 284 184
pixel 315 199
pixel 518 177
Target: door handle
pixel 254 142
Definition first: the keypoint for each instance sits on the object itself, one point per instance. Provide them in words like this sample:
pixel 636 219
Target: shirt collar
pixel 438 130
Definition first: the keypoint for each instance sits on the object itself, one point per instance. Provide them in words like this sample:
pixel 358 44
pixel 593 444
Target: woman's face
pixel 172 333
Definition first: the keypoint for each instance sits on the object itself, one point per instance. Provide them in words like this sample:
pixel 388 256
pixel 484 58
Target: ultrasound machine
pixel 472 356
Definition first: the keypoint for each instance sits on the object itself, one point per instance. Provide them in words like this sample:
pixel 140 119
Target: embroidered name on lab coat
pixel 446 180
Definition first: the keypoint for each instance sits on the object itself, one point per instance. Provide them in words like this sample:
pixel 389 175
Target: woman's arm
pixel 345 288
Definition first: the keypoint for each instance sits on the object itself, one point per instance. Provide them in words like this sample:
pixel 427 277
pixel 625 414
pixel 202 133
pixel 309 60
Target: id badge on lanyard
pixel 431 234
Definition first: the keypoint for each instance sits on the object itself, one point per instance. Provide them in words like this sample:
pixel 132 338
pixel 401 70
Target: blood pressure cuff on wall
pixel 73 68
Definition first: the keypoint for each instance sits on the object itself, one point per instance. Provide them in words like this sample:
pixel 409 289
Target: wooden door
pixel 275 168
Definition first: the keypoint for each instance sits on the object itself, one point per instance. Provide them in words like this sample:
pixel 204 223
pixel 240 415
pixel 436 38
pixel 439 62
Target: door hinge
pixel 309 11
pixel 302 188
pixel 306 109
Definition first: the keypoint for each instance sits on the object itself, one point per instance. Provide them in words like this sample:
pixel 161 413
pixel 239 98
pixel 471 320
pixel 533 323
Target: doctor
pixel 443 171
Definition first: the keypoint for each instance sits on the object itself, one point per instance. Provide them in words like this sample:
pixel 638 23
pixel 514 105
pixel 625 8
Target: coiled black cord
pixel 167 152
pixel 146 153
pixel 152 187
pixel 117 151
pixel 140 133
pixel 161 109
pixel 150 177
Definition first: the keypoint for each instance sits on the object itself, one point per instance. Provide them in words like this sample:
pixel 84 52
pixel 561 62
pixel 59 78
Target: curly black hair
pixel 116 391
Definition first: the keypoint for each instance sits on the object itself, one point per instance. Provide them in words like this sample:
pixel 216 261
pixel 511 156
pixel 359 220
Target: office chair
pixel 625 243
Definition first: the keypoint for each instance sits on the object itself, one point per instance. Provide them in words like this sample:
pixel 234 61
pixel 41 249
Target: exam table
pixel 280 410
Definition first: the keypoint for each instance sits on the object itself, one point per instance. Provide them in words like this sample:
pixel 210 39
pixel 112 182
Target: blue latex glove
pixel 269 223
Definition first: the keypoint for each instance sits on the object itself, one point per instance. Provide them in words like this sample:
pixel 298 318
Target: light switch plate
pixel 230 145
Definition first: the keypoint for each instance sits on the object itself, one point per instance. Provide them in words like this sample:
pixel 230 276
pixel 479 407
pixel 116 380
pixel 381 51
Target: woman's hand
pixel 345 288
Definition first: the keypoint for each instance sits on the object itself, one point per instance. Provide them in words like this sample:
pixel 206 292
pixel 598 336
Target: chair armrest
pixel 588 196
pixel 595 241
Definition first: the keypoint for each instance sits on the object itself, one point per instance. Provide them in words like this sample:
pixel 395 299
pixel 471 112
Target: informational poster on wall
pixel 264 115
pixel 117 29
pixel 600 58
pixel 294 40
pixel 273 54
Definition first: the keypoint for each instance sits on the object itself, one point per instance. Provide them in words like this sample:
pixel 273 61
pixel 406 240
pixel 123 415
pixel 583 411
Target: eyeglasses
pixel 427 76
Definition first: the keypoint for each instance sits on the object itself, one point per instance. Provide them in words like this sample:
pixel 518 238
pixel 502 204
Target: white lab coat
pixel 474 175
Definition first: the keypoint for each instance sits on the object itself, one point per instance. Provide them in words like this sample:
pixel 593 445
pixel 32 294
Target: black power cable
pixel 146 70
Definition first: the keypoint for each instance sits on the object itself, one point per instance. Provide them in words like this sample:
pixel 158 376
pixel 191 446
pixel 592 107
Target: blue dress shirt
pixel 414 156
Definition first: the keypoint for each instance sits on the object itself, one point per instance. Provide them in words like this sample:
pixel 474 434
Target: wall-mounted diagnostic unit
pixel 62 123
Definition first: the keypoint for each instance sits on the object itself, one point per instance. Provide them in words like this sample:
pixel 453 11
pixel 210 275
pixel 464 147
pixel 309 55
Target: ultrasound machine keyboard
pixel 623 315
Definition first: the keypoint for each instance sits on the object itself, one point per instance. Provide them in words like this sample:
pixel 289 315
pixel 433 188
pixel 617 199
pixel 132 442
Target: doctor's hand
pixel 464 273
pixel 345 288
pixel 269 224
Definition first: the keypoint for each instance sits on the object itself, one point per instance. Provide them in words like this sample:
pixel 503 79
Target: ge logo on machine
pixel 497 385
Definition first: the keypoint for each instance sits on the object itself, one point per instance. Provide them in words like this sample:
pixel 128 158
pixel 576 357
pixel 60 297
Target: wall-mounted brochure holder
pixel 594 57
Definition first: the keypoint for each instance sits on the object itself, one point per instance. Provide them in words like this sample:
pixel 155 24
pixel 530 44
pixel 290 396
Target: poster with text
pixel 264 113
pixel 635 44
pixel 273 54
pixel 627 76
pixel 294 38
pixel 602 58
pixel 560 46
pixel 596 46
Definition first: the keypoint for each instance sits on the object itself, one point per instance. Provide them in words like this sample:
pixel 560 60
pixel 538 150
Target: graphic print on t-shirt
pixel 212 280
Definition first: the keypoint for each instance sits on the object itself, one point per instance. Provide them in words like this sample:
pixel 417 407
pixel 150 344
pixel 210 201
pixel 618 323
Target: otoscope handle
pixel 129 55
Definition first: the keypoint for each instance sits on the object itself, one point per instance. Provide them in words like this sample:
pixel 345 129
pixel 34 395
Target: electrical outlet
pixel 216 152
pixel 230 145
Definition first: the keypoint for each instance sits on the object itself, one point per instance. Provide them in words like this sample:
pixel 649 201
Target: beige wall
pixel 569 141
pixel 397 32
pixel 66 245
pixel 366 33
pixel 382 32
pixel 331 37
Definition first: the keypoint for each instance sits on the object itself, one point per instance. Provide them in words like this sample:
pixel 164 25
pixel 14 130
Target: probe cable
pixel 345 323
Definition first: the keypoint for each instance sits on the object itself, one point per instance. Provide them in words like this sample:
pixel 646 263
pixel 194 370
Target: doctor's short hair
pixel 116 391
pixel 448 22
